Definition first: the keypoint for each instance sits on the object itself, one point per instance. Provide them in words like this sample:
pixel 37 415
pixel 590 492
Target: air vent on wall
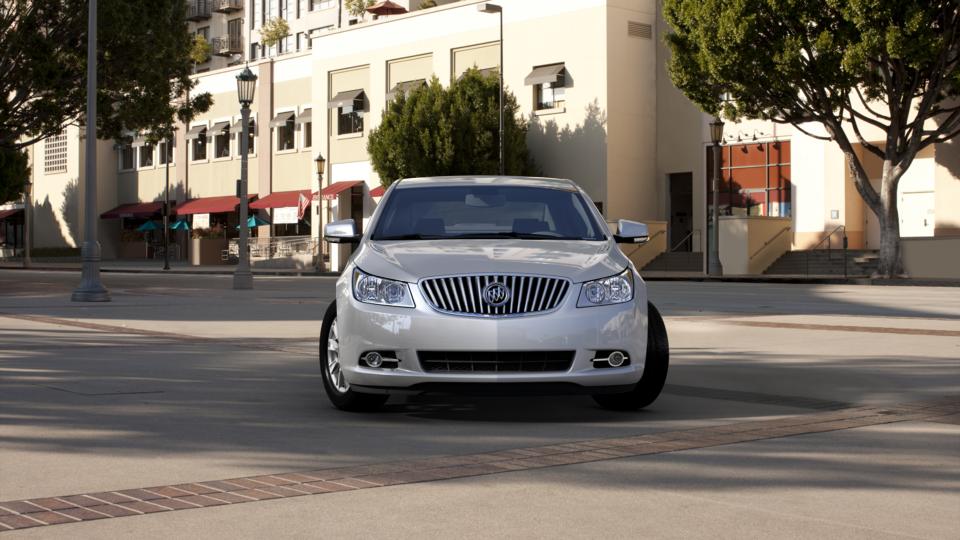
pixel 639 30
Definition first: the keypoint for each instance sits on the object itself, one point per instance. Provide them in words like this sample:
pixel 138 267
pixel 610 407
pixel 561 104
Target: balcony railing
pixel 227 6
pixel 198 10
pixel 227 45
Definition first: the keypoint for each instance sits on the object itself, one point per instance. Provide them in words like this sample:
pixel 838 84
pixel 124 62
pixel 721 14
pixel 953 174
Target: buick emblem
pixel 496 294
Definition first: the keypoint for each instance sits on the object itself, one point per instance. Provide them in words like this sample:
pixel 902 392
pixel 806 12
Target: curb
pixel 282 273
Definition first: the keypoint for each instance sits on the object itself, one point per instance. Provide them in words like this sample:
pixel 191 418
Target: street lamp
pixel 714 267
pixel 321 163
pixel 27 207
pixel 90 288
pixel 494 8
pixel 246 87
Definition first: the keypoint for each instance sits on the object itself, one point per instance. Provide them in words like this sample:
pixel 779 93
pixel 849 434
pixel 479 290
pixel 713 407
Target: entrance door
pixel 681 211
pixel 916 214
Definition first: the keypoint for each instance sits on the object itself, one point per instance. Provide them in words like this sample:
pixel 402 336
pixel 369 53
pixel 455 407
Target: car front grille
pixel 495 361
pixel 464 295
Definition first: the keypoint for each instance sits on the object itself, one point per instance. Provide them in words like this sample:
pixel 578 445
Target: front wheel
pixel 334 382
pixel 654 371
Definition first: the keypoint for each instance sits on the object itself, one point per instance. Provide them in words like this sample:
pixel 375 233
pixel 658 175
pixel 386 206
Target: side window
pixel 199 146
pixel 126 157
pixel 285 135
pixel 146 156
pixel 349 120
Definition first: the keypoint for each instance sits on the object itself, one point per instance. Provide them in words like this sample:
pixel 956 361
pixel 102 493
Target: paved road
pixel 181 379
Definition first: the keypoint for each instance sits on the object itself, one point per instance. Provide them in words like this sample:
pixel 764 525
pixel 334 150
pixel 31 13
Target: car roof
pixel 525 181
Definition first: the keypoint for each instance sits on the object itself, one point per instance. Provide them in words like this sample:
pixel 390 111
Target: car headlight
pixel 385 292
pixel 604 292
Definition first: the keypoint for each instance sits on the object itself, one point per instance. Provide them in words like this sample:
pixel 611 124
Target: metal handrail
pixel 829 241
pixel 770 241
pixel 683 240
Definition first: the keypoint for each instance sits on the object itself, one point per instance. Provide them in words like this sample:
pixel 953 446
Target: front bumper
pixel 365 327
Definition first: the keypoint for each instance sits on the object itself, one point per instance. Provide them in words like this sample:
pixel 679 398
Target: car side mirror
pixel 341 232
pixel 631 232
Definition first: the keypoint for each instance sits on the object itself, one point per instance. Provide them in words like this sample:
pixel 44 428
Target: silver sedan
pixel 490 284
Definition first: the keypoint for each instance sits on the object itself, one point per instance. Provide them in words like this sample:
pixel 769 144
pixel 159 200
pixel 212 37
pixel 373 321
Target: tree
pixel 881 74
pixel 358 8
pixel 143 73
pixel 437 131
pixel 273 31
pixel 201 50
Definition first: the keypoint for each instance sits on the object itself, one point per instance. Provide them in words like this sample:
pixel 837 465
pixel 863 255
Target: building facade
pixel 590 79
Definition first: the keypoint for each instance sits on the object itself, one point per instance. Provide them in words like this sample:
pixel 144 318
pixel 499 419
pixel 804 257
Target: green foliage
pixel 889 65
pixel 273 31
pixel 427 4
pixel 357 8
pixel 437 131
pixel 14 173
pixel 201 50
pixel 143 71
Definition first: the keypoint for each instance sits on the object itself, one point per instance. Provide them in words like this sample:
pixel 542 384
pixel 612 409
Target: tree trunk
pixel 891 265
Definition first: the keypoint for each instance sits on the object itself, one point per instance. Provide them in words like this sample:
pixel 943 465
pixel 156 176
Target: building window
pixel 755 179
pixel 146 156
pixel 126 157
pixel 349 120
pixel 285 134
pixel 299 41
pixel 321 4
pixel 549 96
pixel 307 134
pixel 55 154
pixel 165 154
pixel 254 50
pixel 251 133
pixel 204 31
pixel 199 146
pixel 221 143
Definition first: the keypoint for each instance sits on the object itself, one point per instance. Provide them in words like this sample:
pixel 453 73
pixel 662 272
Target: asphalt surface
pixel 182 379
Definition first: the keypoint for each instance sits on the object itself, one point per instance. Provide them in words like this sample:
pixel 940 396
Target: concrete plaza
pixel 802 411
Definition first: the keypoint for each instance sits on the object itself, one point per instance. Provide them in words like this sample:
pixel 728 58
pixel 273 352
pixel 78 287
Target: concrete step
pixel 678 261
pixel 825 262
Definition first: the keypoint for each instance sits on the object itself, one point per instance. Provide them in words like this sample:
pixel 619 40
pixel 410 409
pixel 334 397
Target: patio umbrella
pixel 386 7
pixel 180 224
pixel 255 221
pixel 148 226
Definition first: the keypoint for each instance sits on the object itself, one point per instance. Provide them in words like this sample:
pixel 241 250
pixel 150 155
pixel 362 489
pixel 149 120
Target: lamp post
pixel 321 163
pixel 494 8
pixel 27 207
pixel 90 288
pixel 246 86
pixel 714 267
pixel 166 204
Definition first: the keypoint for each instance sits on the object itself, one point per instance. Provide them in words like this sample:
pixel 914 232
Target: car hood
pixel 413 260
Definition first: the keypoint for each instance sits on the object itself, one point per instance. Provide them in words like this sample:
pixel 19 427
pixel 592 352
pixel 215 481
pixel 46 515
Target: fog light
pixel 616 359
pixel 373 359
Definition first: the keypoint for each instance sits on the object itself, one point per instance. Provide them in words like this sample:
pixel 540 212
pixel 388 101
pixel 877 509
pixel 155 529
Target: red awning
pixel 139 210
pixel 210 205
pixel 281 199
pixel 378 191
pixel 386 7
pixel 330 192
pixel 4 214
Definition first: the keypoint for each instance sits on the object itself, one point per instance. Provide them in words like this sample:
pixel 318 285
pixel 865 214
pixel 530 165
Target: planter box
pixel 132 250
pixel 204 251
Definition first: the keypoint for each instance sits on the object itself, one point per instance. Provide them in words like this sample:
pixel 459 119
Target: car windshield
pixel 457 212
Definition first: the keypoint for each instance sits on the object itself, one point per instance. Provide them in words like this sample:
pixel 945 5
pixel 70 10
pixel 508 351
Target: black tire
pixel 654 374
pixel 348 399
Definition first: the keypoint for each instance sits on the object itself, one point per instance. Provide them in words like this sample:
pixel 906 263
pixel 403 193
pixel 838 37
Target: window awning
pixel 305 116
pixel 210 205
pixel 333 190
pixel 378 191
pixel 6 214
pixel 195 131
pixel 281 119
pixel 281 199
pixel 131 210
pixel 344 99
pixel 545 74
pixel 140 140
pixel 220 127
pixel 405 87
pixel 238 125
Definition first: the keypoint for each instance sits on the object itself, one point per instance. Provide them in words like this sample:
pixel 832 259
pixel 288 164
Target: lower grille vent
pixel 495 361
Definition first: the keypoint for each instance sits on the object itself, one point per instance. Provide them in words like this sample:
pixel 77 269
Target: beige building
pixel 590 79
